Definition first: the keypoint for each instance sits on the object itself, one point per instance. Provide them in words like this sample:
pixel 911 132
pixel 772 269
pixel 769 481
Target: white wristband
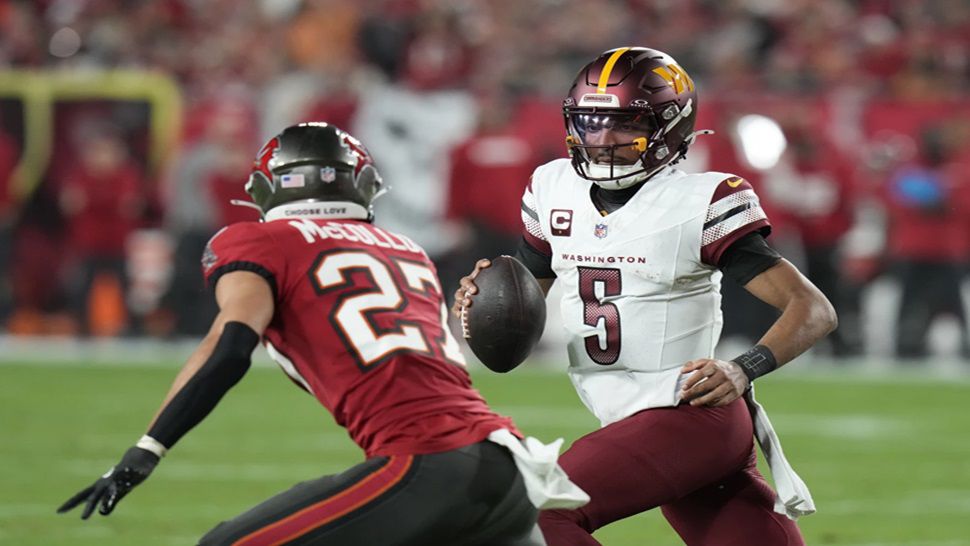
pixel 151 444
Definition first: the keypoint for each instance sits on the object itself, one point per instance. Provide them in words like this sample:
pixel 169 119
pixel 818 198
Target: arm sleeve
pixel 531 227
pixel 242 247
pixel 734 212
pixel 539 264
pixel 747 258
pixel 228 363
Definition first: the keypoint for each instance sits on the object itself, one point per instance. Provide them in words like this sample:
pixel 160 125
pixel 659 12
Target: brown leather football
pixel 507 315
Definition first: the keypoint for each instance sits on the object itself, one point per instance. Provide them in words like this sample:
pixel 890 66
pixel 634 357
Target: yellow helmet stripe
pixel 683 76
pixel 676 77
pixel 607 68
pixel 664 73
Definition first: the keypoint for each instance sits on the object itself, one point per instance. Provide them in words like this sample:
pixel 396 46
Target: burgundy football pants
pixel 697 463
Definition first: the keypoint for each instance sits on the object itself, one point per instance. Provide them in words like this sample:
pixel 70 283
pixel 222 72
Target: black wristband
pixel 756 361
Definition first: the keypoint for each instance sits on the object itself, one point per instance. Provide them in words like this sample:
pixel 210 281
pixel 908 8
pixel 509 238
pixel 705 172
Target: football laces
pixel 463 317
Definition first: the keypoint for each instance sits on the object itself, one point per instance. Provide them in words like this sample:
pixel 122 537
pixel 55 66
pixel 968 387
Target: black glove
pixel 135 466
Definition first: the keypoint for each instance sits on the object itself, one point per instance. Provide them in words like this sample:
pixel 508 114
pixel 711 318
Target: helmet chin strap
pixel 693 136
pixel 682 151
pixel 628 175
pixel 625 172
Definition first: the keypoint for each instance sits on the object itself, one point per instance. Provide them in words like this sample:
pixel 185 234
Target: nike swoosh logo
pixel 734 182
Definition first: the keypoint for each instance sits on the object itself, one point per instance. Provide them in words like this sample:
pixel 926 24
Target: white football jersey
pixel 641 287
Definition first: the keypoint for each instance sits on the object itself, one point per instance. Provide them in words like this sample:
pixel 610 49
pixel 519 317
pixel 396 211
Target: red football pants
pixel 697 463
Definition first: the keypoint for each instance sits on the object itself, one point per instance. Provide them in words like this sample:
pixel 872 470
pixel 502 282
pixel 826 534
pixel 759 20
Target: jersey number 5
pixel 595 311
pixel 353 314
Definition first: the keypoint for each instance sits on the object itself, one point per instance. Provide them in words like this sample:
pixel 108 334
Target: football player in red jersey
pixel 355 316
pixel 639 248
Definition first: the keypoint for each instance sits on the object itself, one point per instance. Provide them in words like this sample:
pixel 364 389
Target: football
pixel 507 315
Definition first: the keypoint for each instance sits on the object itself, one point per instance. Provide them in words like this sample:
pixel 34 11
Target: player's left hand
pixel 713 383
pixel 467 288
pixel 135 466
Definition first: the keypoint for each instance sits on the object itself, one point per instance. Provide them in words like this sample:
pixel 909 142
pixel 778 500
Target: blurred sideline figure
pixel 812 188
pixel 412 132
pixel 415 117
pixel 928 206
pixel 204 179
pixel 9 152
pixel 485 184
pixel 355 316
pixel 639 248
pixel 102 200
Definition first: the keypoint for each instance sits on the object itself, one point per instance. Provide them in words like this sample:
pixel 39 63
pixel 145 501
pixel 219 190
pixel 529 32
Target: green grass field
pixel 888 461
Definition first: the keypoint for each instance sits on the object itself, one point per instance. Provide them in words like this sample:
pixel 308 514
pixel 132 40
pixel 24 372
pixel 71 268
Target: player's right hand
pixel 467 287
pixel 108 490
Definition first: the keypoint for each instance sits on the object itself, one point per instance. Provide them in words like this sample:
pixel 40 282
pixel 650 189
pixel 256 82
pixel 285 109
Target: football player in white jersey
pixel 640 248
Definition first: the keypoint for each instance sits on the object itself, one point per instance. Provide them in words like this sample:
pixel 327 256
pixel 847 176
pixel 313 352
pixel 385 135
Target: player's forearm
pixel 192 365
pixel 805 319
pixel 193 398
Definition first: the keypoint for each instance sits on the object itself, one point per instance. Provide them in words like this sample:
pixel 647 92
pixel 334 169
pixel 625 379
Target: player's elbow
pixel 824 315
pixel 818 316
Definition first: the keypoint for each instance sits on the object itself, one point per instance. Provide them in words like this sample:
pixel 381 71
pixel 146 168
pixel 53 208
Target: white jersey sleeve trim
pixel 530 218
pixel 728 202
pixel 732 224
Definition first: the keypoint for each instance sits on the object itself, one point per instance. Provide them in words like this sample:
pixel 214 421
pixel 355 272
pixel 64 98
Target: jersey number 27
pixel 353 314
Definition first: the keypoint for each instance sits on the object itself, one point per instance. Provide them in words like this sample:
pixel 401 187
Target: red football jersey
pixel 360 323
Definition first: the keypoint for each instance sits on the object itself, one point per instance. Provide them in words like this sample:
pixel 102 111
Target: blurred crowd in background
pixel 850 118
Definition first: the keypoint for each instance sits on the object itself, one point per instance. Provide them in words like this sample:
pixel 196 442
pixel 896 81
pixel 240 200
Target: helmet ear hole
pixel 368 184
pixel 669 112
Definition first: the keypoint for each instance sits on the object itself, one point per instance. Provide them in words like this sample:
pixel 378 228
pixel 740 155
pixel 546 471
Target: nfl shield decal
pixel 328 174
pixel 600 230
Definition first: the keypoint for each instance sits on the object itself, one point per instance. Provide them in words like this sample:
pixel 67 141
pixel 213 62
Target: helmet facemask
pixel 642 104
pixel 639 149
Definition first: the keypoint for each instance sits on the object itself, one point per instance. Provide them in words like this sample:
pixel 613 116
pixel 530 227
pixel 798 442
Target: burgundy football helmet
pixel 631 91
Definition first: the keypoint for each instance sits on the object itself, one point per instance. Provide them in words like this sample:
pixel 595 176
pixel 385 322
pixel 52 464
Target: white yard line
pixel 920 542
pixel 159 353
pixel 158 512
pixel 935 502
pixel 861 426
pixel 853 426
pixel 154 357
pixel 221 471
